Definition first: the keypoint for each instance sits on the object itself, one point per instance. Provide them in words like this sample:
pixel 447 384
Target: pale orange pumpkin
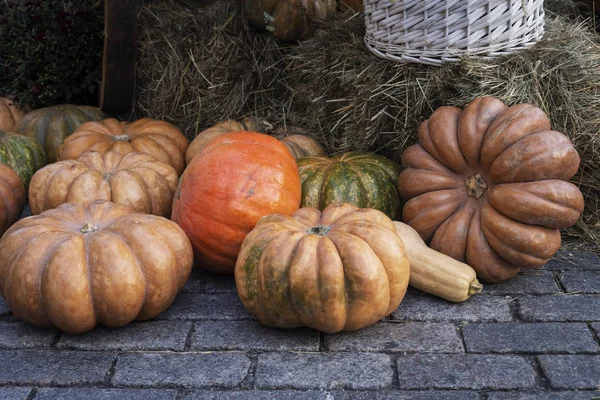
pixel 12 197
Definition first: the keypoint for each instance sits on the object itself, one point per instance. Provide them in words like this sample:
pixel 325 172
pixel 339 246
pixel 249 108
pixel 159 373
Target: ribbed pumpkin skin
pixel 10 114
pixel 160 139
pixel 302 146
pixel 487 185
pixel 340 270
pixel 23 154
pixel 12 197
pixel 73 267
pixel 51 125
pixel 136 180
pixel 220 128
pixel 366 180
pixel 238 178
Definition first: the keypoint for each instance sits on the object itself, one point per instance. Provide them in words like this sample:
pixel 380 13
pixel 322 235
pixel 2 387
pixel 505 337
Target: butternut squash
pixel 434 272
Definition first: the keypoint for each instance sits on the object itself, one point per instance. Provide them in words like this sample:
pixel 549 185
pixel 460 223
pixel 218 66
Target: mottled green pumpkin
pixel 23 154
pixel 366 180
pixel 50 126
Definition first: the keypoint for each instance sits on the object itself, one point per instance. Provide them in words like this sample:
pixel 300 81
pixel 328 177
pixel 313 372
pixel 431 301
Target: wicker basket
pixel 434 31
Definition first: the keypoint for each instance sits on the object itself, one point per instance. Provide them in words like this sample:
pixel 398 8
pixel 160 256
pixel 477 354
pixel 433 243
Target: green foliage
pixel 50 50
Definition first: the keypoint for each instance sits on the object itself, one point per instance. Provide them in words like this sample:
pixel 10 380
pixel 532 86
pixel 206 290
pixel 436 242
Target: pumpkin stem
pixel 122 137
pixel 319 230
pixel 476 187
pixel 87 228
pixel 475 287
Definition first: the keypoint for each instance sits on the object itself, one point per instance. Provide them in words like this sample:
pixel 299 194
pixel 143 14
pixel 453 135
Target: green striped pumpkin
pixel 50 126
pixel 366 180
pixel 23 154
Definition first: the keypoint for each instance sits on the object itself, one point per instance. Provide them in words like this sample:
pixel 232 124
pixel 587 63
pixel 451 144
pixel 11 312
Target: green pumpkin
pixel 366 180
pixel 23 154
pixel 50 126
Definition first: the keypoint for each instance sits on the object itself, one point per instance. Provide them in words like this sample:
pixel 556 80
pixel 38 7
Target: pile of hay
pixel 200 63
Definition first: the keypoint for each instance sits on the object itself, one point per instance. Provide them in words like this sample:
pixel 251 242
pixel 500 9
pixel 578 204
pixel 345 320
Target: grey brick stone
pixel 323 371
pixel 405 395
pixel 105 394
pixel 429 308
pixel 14 393
pixel 572 371
pixel 198 306
pixel 596 329
pixel 573 260
pixel 256 395
pixel 581 281
pixel 4 310
pixel 155 335
pixel 26 211
pixel 251 335
pixel 540 337
pixel 464 371
pixel 526 282
pixel 399 337
pixel 186 370
pixel 575 307
pixel 20 335
pixel 209 282
pixel 542 395
pixel 37 367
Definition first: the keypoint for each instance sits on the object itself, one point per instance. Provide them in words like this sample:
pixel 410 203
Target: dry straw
pixel 199 63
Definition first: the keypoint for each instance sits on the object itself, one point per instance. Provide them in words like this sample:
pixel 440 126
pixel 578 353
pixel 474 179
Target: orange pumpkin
pixel 236 179
pixel 136 180
pixel 160 139
pixel 12 197
pixel 220 128
pixel 10 114
pixel 488 185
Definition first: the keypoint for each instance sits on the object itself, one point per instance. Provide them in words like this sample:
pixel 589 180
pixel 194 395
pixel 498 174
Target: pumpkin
pixel 434 272
pixel 23 154
pixel 288 20
pixel 136 180
pixel 488 185
pixel 366 180
pixel 12 197
pixel 160 139
pixel 339 270
pixel 301 145
pixel 10 114
pixel 74 267
pixel 237 178
pixel 51 125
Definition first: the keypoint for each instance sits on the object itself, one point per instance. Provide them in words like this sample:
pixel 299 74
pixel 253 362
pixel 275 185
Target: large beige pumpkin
pixel 342 269
pixel 136 180
pixel 73 267
pixel 12 197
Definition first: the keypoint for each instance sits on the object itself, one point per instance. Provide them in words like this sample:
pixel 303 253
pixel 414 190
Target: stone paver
pixel 105 394
pixel 596 329
pixel 568 307
pixel 186 370
pixel 199 306
pixel 543 395
pixel 157 335
pixel 405 395
pixel 37 367
pixel 572 371
pixel 323 371
pixel 14 393
pixel 20 335
pixel 527 281
pixel 3 307
pixel 573 260
pixel 209 282
pixel 515 337
pixel 464 371
pixel 416 307
pixel 581 281
pixel 257 395
pixel 251 335
pixel 399 337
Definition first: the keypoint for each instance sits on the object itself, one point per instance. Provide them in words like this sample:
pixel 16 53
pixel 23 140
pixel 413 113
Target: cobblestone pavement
pixel 535 337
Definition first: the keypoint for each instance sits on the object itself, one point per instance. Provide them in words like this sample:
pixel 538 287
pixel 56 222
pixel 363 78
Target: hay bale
pixel 200 63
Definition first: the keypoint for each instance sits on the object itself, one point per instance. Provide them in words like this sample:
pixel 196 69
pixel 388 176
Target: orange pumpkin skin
pixel 12 197
pixel 136 180
pixel 73 267
pixel 236 179
pixel 488 185
pixel 342 269
pixel 220 128
pixel 160 139
pixel 10 114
